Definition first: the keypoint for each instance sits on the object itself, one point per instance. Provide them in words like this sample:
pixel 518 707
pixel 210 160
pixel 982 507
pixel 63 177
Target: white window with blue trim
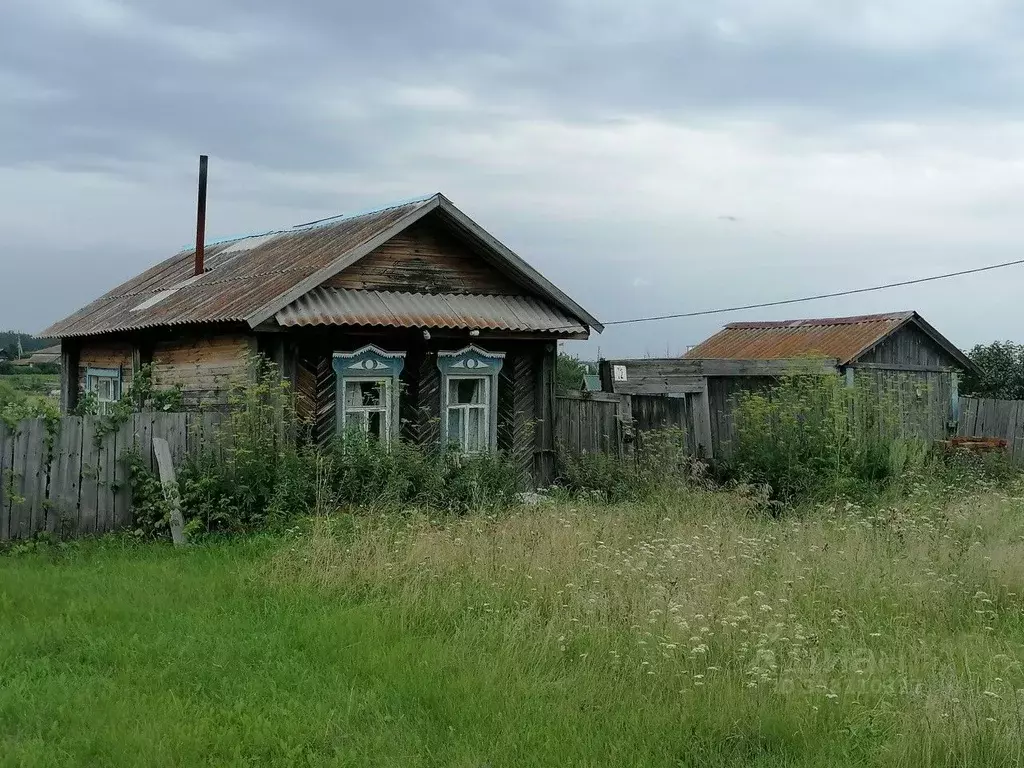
pixel 104 384
pixel 469 398
pixel 367 392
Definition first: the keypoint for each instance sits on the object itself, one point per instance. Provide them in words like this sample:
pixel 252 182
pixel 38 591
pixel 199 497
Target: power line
pixel 835 294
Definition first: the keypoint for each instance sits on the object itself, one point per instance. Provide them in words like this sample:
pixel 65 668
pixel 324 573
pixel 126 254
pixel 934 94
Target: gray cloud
pixel 649 157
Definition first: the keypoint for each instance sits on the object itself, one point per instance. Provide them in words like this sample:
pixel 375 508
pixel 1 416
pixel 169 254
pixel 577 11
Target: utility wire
pixel 835 294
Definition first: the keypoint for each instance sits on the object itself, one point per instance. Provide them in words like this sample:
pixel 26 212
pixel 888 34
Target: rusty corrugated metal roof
pixel 338 306
pixel 844 338
pixel 250 279
pixel 243 276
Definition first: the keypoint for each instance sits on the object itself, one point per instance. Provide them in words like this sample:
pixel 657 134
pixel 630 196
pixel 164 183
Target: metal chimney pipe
pixel 201 217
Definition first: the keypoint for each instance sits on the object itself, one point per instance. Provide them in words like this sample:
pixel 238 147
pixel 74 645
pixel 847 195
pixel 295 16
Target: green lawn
pixel 689 632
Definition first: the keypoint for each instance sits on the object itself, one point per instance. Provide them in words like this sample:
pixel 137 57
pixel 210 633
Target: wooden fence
pixel 602 422
pixel 72 479
pixel 982 417
pixel 595 422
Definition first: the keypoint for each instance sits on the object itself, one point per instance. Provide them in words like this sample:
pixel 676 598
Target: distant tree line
pixel 29 343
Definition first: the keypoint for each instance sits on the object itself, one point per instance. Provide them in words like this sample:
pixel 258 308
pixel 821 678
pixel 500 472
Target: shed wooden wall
pixel 525 392
pixel 722 394
pixel 426 258
pixel 909 346
pixel 923 399
pixel 204 366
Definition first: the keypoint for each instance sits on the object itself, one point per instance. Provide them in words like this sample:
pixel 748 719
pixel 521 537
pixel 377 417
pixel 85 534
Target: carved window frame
pixel 471 362
pixel 370 363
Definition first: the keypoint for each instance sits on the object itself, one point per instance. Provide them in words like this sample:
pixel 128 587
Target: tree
pixel 569 373
pixel 1002 371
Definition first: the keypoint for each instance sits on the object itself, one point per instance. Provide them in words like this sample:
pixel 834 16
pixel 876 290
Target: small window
pixel 105 384
pixel 469 413
pixel 469 398
pixel 367 394
pixel 367 407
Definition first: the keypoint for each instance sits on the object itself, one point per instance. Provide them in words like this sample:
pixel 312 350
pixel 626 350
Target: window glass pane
pixel 104 387
pixel 372 392
pixel 375 424
pixel 469 391
pixel 476 418
pixel 455 426
pixel 364 393
pixel 355 421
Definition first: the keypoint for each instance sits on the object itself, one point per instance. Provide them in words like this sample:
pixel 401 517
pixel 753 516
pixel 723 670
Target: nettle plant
pixel 812 437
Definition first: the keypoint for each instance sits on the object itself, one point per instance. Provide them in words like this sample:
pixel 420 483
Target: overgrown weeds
pixel 814 438
pixel 254 472
pixel 657 463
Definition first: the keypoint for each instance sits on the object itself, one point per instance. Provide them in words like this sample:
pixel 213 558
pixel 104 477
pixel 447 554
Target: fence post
pixel 954 404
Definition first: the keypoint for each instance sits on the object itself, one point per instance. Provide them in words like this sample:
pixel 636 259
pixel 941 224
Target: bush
pixel 368 474
pixel 17 404
pixel 255 475
pixel 812 437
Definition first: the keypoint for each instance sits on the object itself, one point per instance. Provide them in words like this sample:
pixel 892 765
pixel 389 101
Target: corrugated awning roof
pixel 843 338
pixel 338 306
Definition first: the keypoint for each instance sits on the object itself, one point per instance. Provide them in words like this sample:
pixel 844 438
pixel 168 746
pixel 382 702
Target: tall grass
pixel 686 631
pixel 700 633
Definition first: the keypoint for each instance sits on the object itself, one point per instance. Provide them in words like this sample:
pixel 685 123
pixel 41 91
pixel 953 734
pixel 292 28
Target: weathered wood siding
pixel 923 400
pixel 204 366
pixel 909 346
pixel 678 375
pixel 525 396
pixel 105 353
pixel 426 258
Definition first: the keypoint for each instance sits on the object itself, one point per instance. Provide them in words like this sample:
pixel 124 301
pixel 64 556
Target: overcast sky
pixel 649 157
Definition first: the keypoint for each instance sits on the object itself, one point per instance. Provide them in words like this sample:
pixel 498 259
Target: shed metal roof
pixel 340 306
pixel 843 338
pixel 250 279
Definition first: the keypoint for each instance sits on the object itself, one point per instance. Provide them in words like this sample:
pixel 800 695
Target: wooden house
pixel 896 353
pixel 410 321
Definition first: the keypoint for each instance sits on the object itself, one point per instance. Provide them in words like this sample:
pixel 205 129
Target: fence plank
pixel 172 427
pixel 6 463
pixel 89 489
pixel 105 484
pixel 20 508
pixel 1012 428
pixel 37 475
pixel 65 476
pixel 124 446
pixel 144 438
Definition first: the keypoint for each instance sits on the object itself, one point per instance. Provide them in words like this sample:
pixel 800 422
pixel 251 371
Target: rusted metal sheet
pixel 843 338
pixel 340 306
pixel 241 276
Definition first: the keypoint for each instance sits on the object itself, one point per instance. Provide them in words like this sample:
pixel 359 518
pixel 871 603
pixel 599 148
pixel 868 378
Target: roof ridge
pixel 823 321
pixel 311 224
pixel 346 216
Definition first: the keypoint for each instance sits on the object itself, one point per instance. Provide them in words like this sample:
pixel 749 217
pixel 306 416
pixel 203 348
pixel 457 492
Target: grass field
pixel 686 632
